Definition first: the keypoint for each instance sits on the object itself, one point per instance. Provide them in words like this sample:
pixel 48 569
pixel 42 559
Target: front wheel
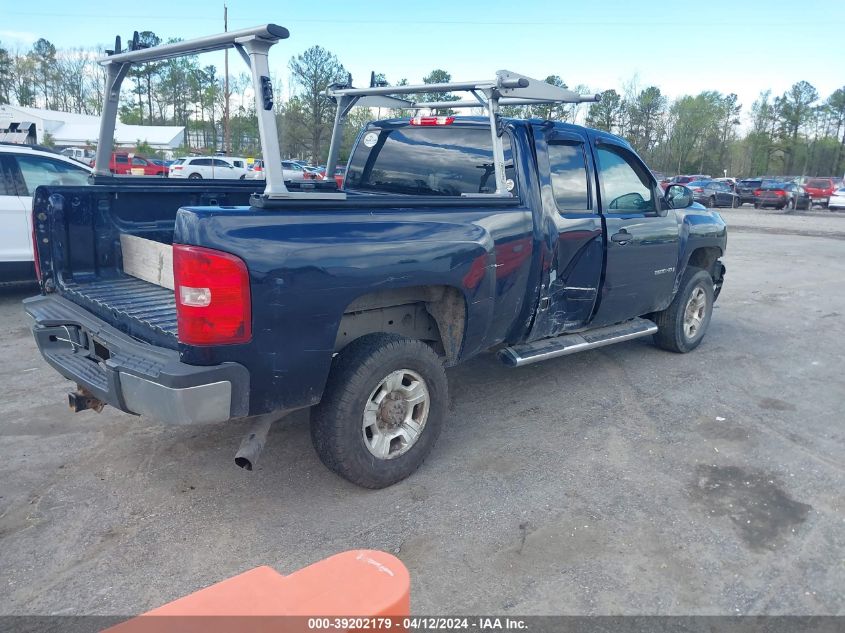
pixel 682 325
pixel 382 409
pixel 195 177
pixel 711 202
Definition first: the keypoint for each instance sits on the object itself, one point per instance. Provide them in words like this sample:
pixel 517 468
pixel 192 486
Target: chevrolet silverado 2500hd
pixel 452 236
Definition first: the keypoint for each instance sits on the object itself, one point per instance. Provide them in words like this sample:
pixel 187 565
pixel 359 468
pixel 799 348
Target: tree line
pixel 797 133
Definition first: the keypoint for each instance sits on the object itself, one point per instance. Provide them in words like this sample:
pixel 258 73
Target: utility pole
pixel 227 141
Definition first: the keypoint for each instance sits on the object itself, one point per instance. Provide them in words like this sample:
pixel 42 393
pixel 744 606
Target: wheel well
pixel 704 258
pixel 434 314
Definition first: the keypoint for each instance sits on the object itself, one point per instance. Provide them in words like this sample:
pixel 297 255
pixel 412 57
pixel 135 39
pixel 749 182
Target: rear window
pixel 819 184
pixel 773 184
pixel 430 161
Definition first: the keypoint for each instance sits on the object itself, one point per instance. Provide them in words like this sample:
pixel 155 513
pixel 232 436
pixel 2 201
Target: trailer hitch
pixel 82 399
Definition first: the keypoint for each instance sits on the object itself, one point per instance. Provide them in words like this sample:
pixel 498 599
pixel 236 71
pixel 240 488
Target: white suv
pixel 22 169
pixel 209 167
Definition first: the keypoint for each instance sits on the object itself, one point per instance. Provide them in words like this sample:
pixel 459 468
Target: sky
pixel 740 46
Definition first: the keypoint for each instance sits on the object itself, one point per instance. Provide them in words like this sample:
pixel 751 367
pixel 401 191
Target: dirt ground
pixel 625 480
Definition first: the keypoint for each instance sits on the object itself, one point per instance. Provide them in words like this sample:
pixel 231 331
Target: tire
pixel 756 205
pixel 735 203
pixel 195 177
pixel 711 202
pixel 674 323
pixel 789 205
pixel 359 383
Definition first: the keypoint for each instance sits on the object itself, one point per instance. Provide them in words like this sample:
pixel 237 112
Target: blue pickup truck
pixel 355 307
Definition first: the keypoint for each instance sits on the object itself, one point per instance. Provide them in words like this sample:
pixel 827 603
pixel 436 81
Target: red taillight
pixel 697 190
pixel 758 192
pixel 212 296
pixel 432 120
pixel 780 192
pixel 176 168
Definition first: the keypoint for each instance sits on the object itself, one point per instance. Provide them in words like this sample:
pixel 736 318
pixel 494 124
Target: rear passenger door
pixel 641 236
pixel 573 250
pixel 15 228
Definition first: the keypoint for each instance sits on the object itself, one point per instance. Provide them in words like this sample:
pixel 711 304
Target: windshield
pixel 432 161
pixel 819 184
pixel 773 184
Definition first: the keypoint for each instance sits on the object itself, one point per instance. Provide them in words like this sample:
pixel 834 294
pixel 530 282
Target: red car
pixel 820 190
pixel 122 164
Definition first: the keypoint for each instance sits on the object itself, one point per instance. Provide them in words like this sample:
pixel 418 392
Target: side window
pixel 139 161
pixel 37 170
pixel 121 158
pixel 201 162
pixel 238 163
pixel 220 163
pixel 568 169
pixel 625 185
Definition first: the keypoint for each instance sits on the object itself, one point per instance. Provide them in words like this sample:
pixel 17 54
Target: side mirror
pixel 679 196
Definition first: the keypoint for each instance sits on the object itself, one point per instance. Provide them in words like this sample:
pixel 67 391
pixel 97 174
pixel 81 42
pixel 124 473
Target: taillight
pixel 758 192
pixel 212 296
pixel 176 168
pixel 432 120
pixel 697 190
pixel 780 193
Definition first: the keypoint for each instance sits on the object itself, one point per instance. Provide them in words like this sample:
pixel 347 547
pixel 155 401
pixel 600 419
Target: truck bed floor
pixel 128 298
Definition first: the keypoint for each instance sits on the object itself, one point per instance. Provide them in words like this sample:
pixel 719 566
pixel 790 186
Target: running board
pixel 527 353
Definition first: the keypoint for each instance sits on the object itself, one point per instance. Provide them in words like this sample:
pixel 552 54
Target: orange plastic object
pixel 362 585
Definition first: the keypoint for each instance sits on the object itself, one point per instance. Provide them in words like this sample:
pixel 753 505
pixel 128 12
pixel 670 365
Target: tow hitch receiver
pixel 82 399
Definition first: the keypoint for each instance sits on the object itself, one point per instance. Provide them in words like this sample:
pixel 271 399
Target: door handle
pixel 621 238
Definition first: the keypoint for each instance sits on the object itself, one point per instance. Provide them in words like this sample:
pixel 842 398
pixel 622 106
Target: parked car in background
pixel 207 167
pixel 836 202
pixel 23 168
pixel 820 190
pixel 127 164
pixel 292 171
pixel 712 193
pixel 730 182
pixel 745 190
pixel 781 195
pixel 84 156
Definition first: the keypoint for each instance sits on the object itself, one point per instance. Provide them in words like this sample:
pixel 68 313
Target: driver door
pixel 641 236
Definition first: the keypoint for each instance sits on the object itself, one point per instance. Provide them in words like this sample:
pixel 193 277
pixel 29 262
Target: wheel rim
pixel 395 414
pixel 694 312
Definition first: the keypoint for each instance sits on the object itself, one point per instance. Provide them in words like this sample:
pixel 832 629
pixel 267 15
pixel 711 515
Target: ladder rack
pixel 253 44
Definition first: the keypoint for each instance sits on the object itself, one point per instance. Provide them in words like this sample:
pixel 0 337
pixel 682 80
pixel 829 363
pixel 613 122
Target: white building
pixel 29 125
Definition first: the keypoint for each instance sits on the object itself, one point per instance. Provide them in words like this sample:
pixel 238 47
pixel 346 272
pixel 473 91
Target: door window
pixel 121 158
pixel 220 163
pixel 625 185
pixel 139 161
pixel 568 169
pixel 38 170
pixel 201 162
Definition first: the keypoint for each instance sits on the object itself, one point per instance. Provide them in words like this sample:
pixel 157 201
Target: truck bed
pixel 150 309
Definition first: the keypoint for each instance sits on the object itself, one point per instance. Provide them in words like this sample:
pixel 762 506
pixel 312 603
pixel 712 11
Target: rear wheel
pixel 756 205
pixel 195 177
pixel 682 325
pixel 711 202
pixel 789 205
pixel 382 409
pixel 735 203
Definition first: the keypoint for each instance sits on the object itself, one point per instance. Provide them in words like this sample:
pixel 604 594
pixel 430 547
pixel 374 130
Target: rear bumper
pixel 131 375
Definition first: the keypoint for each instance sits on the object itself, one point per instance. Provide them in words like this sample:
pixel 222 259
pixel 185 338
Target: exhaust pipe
pixel 254 440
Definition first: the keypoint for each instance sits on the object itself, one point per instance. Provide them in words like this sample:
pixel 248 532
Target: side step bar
pixel 527 353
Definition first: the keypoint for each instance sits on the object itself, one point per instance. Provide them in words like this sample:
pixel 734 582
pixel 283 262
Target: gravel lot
pixel 625 480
